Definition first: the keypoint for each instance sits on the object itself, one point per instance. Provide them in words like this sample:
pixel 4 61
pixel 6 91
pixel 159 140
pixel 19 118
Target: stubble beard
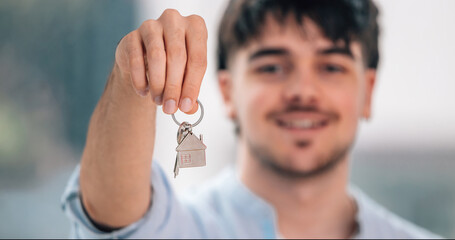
pixel 325 164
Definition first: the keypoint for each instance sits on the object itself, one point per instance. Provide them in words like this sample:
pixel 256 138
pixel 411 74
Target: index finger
pixel 196 42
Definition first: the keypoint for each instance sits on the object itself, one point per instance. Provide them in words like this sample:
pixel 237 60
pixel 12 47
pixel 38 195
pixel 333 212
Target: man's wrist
pixel 97 225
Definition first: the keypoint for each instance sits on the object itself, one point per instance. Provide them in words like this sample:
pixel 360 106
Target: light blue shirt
pixel 223 208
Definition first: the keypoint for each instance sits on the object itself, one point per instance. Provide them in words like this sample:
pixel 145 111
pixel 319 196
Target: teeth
pixel 304 124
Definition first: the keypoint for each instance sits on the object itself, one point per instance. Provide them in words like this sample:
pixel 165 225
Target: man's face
pixel 297 96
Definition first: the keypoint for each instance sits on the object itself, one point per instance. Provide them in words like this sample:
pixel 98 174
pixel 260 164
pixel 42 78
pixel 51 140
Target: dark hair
pixel 347 20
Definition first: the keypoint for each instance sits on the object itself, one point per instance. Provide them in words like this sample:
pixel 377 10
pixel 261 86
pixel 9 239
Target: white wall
pixel 414 102
pixel 414 105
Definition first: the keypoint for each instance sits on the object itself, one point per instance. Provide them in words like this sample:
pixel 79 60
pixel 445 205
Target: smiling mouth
pixel 302 124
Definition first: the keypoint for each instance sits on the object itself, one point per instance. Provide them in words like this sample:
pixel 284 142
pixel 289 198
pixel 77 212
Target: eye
pixel 333 68
pixel 270 68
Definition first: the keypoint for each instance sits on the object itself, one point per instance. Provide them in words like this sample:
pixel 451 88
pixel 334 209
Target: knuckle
pixel 195 18
pixel 197 25
pixel 199 34
pixel 171 17
pixel 132 36
pixel 124 40
pixel 150 26
pixel 191 88
pixel 136 63
pixel 155 53
pixel 197 59
pixel 132 45
pixel 150 34
pixel 157 75
pixel 121 49
pixel 196 21
pixel 128 48
pixel 133 50
pixel 177 33
pixel 148 23
pixel 176 54
pixel 172 88
pixel 171 12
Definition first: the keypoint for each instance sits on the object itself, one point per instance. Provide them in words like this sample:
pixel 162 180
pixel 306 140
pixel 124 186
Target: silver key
pixel 190 149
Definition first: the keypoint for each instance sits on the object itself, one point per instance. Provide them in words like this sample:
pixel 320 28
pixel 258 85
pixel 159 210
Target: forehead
pixel 304 37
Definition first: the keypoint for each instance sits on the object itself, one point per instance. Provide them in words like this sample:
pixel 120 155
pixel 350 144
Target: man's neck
pixel 306 208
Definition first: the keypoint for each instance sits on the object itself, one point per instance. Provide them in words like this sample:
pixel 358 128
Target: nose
pixel 302 87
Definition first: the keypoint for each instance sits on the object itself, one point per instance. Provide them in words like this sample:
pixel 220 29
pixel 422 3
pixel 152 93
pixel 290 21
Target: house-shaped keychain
pixel 190 152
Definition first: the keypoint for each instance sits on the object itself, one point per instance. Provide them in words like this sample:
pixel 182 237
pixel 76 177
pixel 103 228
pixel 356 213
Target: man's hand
pixel 166 57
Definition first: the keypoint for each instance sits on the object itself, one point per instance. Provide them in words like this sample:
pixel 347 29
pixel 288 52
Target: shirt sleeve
pixel 166 218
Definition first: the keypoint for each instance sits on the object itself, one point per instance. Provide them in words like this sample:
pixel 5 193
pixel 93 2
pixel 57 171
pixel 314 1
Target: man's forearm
pixel 115 167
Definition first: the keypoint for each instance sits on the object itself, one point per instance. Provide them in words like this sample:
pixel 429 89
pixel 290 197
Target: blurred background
pixel 55 56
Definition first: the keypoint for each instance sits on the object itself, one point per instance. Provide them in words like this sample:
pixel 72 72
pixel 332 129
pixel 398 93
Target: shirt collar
pixel 258 208
pixel 240 195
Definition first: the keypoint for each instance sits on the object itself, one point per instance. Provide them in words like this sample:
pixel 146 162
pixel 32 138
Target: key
pixel 190 149
pixel 184 129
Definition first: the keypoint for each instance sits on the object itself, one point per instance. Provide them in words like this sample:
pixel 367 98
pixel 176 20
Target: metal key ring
pixel 198 121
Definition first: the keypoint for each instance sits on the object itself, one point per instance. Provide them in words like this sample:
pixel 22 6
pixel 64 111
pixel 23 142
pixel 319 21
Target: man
pixel 296 77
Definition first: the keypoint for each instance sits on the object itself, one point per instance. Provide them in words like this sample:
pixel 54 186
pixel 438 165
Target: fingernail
pixel 159 100
pixel 169 106
pixel 186 105
pixel 141 92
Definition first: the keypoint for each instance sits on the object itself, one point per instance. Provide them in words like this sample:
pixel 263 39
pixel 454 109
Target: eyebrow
pixel 268 52
pixel 284 52
pixel 337 50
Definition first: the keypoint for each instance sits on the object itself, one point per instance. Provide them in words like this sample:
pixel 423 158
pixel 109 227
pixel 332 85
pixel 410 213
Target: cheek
pixel 253 104
pixel 346 101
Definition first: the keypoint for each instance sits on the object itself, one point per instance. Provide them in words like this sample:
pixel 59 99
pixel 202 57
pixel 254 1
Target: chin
pixel 298 159
pixel 302 162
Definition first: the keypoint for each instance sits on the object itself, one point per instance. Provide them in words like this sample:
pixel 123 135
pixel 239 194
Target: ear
pixel 225 83
pixel 370 77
